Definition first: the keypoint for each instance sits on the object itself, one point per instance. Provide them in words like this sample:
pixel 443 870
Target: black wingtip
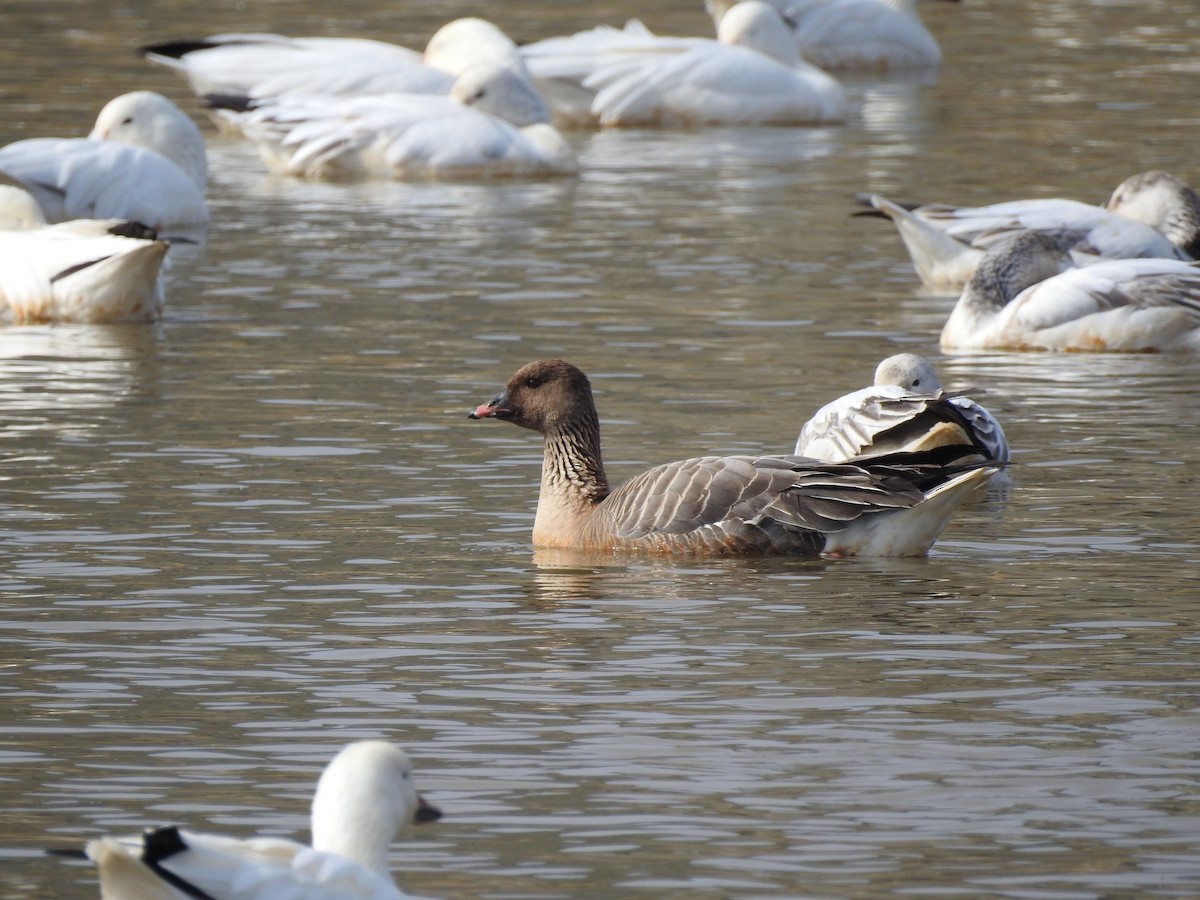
pixel 174 49
pixel 134 229
pixel 231 102
pixel 66 852
pixel 161 843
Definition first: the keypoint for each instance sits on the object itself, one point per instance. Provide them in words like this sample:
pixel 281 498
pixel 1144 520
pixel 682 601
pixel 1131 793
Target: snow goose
pixel 272 66
pixel 750 75
pixel 85 271
pixel 363 798
pixel 891 505
pixel 1151 214
pixel 854 35
pixel 904 410
pixel 493 124
pixel 1028 294
pixel 144 160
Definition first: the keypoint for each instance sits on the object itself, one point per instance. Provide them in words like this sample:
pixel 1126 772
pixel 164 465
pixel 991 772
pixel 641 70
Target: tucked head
pixel 503 92
pixel 542 396
pixel 909 371
pixel 759 26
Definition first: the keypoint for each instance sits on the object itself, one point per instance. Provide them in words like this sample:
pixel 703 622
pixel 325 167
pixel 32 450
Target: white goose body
pixel 1027 294
pixel 144 160
pixel 494 124
pixel 855 35
pixel 904 410
pixel 83 271
pixel 272 66
pixel 1150 215
pixel 750 75
pixel 362 798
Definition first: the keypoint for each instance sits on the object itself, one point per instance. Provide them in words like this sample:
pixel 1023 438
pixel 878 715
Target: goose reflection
pixel 65 377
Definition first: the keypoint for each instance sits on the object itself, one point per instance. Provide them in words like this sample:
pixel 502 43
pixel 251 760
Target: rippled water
pixel 235 540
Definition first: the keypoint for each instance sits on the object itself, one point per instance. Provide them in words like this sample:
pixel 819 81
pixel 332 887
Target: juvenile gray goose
pixel 891 505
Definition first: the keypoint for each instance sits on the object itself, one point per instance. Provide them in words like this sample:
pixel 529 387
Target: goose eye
pixel 128 120
pixel 916 381
pixel 533 381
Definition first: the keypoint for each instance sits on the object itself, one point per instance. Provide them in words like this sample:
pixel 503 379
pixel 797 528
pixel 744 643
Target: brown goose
pixel 892 505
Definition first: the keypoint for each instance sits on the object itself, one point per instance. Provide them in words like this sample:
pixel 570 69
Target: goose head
pixel 759 26
pixel 363 798
pixel 150 120
pixel 546 396
pixel 909 371
pixel 503 92
pixel 1014 264
pixel 1165 203
pixel 18 210
pixel 462 43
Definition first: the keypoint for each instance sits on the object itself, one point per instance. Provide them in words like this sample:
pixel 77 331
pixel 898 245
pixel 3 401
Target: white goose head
pixel 909 371
pixel 502 92
pixel 363 797
pixel 759 26
pixel 150 120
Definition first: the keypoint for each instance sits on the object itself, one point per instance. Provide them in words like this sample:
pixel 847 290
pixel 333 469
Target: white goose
pixel 854 35
pixel 904 410
pixel 86 271
pixel 271 66
pixel 492 124
pixel 363 798
pixel 1151 214
pixel 144 160
pixel 1028 294
pixel 751 74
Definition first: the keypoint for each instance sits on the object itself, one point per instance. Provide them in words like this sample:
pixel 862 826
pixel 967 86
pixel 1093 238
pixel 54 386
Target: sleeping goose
pixel 890 505
pixel 362 799
pixel 272 66
pixel 493 124
pixel 750 75
pixel 1151 214
pixel 1028 294
pixel 904 410
pixel 86 271
pixel 854 35
pixel 144 160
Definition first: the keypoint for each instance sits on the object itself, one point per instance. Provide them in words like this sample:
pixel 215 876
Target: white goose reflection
pixel 50 373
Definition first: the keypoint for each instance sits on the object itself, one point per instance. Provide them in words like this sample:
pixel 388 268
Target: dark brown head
pixel 545 396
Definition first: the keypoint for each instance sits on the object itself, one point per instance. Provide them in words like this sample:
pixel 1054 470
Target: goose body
pixel 84 271
pixel 493 124
pixel 1152 214
pixel 273 66
pixel 144 160
pixel 892 505
pixel 855 35
pixel 363 797
pixel 1028 294
pixel 750 75
pixel 905 410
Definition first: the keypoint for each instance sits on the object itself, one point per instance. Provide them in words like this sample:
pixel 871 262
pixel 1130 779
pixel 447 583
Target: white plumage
pixel 905 409
pixel 84 271
pixel 1028 294
pixel 493 124
pixel 1151 214
pixel 144 160
pixel 272 66
pixel 854 35
pixel 362 799
pixel 750 75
